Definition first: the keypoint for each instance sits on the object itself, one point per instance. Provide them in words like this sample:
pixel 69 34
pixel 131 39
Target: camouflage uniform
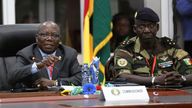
pixel 130 58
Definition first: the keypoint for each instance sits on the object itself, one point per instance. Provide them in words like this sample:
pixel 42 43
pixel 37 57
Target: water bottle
pixel 85 74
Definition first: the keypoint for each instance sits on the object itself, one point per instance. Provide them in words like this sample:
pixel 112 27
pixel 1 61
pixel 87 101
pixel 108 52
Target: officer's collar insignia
pixel 122 62
pixel 187 61
pixel 164 58
pixel 139 57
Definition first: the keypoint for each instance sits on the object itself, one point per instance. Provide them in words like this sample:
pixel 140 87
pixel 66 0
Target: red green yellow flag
pixel 87 38
pixel 97 15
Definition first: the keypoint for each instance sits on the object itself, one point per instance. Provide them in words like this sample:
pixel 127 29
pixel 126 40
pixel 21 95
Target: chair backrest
pixel 12 39
pixel 109 71
pixel 15 37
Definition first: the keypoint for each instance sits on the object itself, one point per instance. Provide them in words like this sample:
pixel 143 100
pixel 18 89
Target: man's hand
pixel 173 79
pixel 44 83
pixel 169 78
pixel 160 80
pixel 48 61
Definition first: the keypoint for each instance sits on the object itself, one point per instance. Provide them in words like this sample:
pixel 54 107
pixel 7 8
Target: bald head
pixel 49 24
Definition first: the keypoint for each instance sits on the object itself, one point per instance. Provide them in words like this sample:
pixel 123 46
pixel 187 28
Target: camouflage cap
pixel 146 14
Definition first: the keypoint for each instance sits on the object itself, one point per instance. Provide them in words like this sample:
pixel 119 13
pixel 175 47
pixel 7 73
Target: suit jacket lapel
pixel 57 65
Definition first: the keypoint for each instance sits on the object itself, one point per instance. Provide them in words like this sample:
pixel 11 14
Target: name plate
pixel 130 93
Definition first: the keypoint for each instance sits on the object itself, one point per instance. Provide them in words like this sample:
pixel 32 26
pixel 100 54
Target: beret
pixel 146 14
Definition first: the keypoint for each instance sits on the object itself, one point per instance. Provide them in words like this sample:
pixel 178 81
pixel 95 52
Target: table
pixel 167 98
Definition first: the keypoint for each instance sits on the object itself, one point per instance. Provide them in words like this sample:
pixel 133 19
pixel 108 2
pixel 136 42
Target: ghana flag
pixel 97 33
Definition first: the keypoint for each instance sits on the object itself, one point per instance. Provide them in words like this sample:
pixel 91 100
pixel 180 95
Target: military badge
pixel 187 61
pixel 122 62
pixel 163 58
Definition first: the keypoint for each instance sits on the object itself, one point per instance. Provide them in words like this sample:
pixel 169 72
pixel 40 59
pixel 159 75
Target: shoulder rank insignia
pixel 168 42
pixel 122 62
pixel 125 42
pixel 128 41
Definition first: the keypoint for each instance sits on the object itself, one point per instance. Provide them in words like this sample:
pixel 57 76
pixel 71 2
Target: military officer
pixel 149 60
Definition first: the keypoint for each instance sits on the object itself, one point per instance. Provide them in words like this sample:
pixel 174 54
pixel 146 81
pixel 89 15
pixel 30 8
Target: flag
pixel 102 34
pixel 87 37
pixel 97 33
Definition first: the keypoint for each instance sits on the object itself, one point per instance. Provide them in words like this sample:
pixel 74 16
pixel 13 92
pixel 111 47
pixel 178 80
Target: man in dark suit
pixel 46 62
